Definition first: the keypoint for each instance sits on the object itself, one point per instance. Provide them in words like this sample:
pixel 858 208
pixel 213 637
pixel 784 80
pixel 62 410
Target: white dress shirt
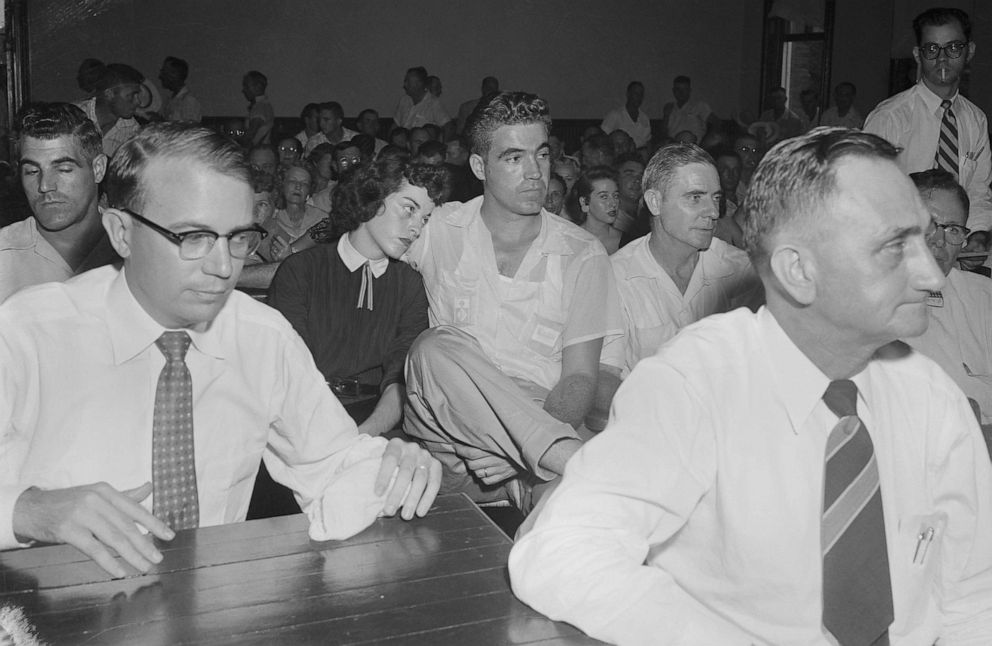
pixel 78 374
pixel 619 119
pixel 694 518
pixel 26 258
pixel 429 110
pixel 692 117
pixel 959 337
pixel 911 120
pixel 654 309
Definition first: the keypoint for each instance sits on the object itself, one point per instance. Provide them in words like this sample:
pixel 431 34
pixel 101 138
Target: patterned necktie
pixel 946 156
pixel 173 466
pixel 857 593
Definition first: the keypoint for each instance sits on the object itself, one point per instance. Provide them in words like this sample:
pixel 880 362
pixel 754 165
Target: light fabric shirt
pixel 654 309
pixel 26 258
pixel 429 110
pixel 960 336
pixel 182 107
pixel 562 294
pixel 321 138
pixel 121 131
pixel 789 124
pixel 911 120
pixel 692 117
pixel 261 110
pixel 619 119
pixel 694 518
pixel 852 119
pixel 78 374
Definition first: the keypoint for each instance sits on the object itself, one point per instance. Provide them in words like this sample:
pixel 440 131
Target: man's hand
pixel 93 518
pixel 488 467
pixel 418 478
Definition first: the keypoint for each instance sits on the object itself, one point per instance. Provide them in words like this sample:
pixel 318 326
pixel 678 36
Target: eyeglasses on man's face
pixel 196 244
pixel 953 233
pixel 953 49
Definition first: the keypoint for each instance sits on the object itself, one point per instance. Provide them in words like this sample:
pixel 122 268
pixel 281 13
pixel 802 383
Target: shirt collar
pixel 354 260
pixel 710 262
pixel 798 381
pixel 20 236
pixel 550 241
pixel 132 329
pixel 931 100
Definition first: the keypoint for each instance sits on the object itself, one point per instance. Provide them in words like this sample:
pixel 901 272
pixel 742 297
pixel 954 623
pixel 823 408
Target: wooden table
pixel 441 579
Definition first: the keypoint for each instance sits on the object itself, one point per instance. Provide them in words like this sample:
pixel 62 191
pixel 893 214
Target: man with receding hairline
pixel 790 476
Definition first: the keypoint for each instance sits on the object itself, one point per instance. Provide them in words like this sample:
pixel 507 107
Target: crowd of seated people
pixel 483 304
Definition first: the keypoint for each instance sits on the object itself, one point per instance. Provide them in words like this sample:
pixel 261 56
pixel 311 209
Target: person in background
pixel 290 151
pixel 630 169
pixel 289 225
pixel 309 116
pixel 843 114
pixel 261 116
pixel 113 105
pixel 181 106
pixel 61 161
pixel 554 201
pixel 630 118
pixel 593 205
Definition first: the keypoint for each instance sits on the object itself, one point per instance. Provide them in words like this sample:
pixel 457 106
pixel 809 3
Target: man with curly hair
pixel 520 302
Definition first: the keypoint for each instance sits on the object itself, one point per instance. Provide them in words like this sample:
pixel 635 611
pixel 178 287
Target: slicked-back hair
pixel 53 120
pixel 361 193
pixel 582 189
pixel 938 16
pixel 169 140
pixel 796 178
pixel 661 168
pixel 938 179
pixel 504 109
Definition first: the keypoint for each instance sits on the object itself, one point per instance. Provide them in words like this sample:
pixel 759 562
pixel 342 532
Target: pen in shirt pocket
pixel 923 540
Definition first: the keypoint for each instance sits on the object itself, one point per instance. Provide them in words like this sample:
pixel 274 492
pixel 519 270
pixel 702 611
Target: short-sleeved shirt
pixel 692 117
pixel 261 110
pixel 429 110
pixel 182 107
pixel 121 131
pixel 563 293
pixel 26 258
pixel 654 310
pixel 619 119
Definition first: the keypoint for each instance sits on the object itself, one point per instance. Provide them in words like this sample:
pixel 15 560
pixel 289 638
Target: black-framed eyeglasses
pixel 953 49
pixel 953 233
pixel 196 244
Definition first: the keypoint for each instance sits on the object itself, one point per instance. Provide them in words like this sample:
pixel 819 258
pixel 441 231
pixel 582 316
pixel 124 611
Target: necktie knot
pixel 173 345
pixel 841 398
pixel 945 104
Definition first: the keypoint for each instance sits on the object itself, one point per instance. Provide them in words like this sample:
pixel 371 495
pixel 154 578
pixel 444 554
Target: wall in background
pixel 577 54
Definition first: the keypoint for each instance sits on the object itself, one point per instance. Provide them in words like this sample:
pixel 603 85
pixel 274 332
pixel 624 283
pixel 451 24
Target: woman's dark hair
pixel 360 194
pixel 582 189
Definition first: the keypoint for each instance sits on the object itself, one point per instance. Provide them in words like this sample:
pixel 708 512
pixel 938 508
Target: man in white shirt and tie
pixel 789 476
pixel 936 127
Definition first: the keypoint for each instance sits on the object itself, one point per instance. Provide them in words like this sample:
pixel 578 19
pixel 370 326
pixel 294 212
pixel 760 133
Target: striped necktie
pixel 174 494
pixel 946 156
pixel 857 593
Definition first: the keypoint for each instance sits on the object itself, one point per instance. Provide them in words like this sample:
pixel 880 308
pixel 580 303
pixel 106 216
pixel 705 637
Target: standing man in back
pixel 936 127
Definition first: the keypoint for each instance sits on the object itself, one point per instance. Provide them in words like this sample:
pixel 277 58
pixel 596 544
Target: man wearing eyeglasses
pixel 140 401
pixel 934 125
pixel 961 312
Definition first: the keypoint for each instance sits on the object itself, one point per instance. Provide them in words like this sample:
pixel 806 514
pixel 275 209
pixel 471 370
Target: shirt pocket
pixel 543 332
pixel 920 546
pixel 460 296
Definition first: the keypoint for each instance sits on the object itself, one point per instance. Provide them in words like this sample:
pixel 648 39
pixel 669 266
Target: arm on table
pixel 631 489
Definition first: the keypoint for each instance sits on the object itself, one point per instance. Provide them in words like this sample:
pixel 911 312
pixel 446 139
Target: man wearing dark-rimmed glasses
pixel 961 312
pixel 934 125
pixel 139 401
